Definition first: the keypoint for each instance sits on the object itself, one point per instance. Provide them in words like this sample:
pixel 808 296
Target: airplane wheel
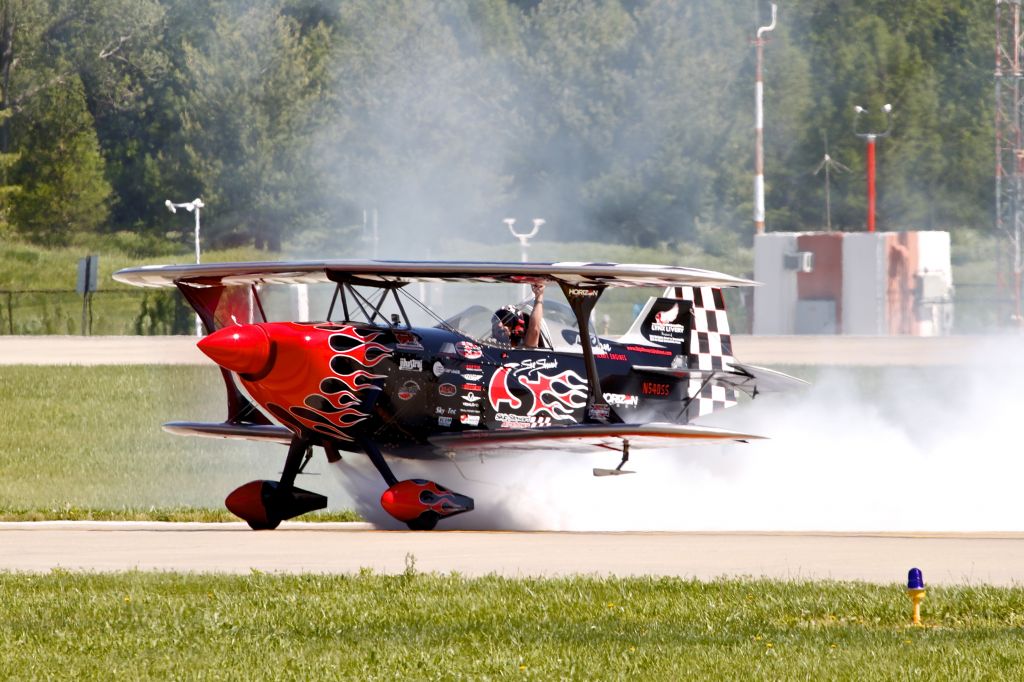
pixel 256 525
pixel 425 521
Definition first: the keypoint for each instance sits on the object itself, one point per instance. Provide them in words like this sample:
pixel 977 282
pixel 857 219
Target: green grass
pixel 413 626
pixel 68 512
pixel 88 438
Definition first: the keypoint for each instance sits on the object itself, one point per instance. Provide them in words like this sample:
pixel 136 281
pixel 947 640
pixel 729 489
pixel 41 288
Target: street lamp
pixel 192 207
pixel 524 240
pixel 870 160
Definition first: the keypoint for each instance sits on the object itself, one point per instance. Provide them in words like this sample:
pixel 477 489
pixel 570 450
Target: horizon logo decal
pixel 622 399
pixel 582 293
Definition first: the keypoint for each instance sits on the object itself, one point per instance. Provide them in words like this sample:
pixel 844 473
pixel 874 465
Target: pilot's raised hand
pixel 538 292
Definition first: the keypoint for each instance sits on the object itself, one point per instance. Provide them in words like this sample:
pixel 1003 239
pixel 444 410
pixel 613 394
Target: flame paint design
pixel 553 395
pixel 351 344
pixel 548 398
pixel 333 410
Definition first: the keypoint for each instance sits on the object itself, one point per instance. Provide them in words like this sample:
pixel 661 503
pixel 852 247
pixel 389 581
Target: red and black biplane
pixel 366 380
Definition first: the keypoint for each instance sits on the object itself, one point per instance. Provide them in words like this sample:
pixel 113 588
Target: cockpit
pixel 559 330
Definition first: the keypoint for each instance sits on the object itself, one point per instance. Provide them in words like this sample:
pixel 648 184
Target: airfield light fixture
pixel 870 138
pixel 192 207
pixel 915 590
pixel 524 241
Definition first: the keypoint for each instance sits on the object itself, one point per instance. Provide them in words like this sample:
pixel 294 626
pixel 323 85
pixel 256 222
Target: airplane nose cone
pixel 242 348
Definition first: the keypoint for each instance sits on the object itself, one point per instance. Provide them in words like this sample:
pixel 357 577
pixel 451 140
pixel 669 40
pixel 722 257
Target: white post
pixel 759 128
pixel 192 207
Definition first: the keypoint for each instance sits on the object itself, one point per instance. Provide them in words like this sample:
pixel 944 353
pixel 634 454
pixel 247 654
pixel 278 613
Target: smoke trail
pixel 860 450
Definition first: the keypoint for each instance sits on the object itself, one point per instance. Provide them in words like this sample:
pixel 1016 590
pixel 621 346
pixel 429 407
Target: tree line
pixel 615 120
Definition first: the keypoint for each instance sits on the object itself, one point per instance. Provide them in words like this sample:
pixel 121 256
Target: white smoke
pixel 880 449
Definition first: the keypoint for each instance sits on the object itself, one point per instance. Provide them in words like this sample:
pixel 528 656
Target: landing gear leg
pixel 264 504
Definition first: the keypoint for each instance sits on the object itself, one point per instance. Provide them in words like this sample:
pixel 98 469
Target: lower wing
pixel 585 438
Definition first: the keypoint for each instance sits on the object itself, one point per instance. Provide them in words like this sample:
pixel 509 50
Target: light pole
pixel 870 159
pixel 524 241
pixel 192 207
pixel 759 126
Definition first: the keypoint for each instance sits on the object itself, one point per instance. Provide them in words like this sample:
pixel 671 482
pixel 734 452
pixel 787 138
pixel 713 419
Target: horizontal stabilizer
pixel 747 378
pixel 267 433
pixel 585 438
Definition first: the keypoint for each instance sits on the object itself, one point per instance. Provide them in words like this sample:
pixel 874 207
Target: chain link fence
pixel 978 308
pixel 113 312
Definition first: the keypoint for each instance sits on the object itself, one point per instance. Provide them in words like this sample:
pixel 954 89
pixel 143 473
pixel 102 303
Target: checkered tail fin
pixel 709 348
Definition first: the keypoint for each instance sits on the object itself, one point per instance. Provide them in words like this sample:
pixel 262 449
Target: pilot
pixel 512 326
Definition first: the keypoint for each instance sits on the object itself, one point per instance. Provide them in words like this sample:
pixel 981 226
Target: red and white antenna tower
pixel 1010 143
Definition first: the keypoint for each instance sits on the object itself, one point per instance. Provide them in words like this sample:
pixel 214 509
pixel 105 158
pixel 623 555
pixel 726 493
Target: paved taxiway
pixel 757 350
pixel 996 558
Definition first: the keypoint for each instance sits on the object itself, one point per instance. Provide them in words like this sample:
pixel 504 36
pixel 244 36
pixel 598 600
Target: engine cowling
pixel 421 503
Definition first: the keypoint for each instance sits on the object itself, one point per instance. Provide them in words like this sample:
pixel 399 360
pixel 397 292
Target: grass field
pixel 85 442
pixel 425 627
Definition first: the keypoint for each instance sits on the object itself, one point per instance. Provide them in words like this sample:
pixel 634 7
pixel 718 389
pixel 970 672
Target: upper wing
pixel 585 438
pixel 382 273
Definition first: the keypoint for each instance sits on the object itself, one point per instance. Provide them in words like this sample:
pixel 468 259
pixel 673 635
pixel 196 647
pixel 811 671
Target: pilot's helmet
pixel 508 325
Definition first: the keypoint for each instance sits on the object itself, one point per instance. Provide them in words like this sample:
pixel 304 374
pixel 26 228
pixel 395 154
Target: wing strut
pixel 582 299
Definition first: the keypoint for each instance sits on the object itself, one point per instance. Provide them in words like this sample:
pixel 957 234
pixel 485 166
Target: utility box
pixel 877 283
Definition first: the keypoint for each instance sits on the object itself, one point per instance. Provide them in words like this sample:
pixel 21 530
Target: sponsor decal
pixel 577 292
pixel 408 390
pixel 622 399
pixel 471 398
pixel 407 341
pixel 469 419
pixel 448 410
pixel 469 367
pixel 444 421
pixel 599 413
pixel 612 356
pixel 472 387
pixel 655 388
pixel 447 390
pixel 410 365
pixel 666 322
pixel 468 350
pixel 440 370
pixel 546 391
pixel 649 349
pixel 507 420
pixel 473 377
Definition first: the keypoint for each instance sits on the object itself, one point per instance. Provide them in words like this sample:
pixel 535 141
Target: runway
pixel 885 558
pixel 851 351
